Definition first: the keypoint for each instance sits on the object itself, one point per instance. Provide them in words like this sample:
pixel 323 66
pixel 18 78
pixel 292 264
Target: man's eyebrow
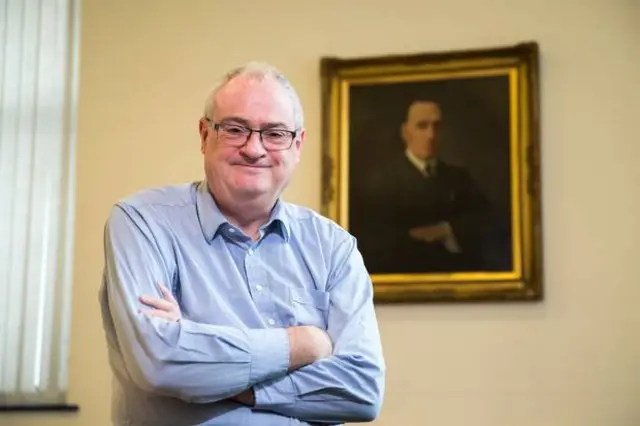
pixel 238 120
pixel 274 124
pixel 244 122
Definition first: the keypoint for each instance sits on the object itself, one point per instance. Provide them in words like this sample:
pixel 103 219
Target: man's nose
pixel 430 132
pixel 254 148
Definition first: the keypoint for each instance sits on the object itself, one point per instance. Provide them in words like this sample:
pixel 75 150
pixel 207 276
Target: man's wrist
pixel 275 393
pixel 246 397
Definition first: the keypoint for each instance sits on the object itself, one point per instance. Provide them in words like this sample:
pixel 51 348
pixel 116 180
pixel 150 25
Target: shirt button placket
pixel 255 280
pixel 257 277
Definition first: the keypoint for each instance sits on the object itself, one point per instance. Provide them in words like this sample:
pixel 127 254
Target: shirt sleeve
pixel 188 360
pixel 349 385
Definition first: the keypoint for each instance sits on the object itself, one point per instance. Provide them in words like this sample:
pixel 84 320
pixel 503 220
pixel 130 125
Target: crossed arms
pixel 300 372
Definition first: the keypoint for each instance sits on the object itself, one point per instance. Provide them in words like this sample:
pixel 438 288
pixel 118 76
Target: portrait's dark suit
pixel 391 199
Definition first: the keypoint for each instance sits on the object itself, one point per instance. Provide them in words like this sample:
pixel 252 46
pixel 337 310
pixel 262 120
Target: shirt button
pixel 271 321
pixel 259 287
pixel 250 252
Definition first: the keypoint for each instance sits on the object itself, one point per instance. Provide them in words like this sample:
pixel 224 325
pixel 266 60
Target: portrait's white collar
pixel 420 164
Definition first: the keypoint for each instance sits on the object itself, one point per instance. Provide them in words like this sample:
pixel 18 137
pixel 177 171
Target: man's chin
pixel 251 191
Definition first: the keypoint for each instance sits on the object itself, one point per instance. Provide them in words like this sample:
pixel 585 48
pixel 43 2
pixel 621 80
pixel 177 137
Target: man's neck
pixel 425 166
pixel 248 215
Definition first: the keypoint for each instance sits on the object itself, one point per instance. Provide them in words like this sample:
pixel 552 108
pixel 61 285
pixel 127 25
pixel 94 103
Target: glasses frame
pixel 293 133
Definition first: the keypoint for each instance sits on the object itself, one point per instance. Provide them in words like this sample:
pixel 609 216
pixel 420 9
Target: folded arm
pixel 349 385
pixel 188 360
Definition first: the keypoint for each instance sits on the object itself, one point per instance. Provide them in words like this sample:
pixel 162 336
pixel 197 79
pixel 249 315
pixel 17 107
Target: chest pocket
pixel 308 307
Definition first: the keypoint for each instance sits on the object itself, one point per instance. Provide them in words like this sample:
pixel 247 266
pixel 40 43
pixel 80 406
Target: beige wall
pixel 573 360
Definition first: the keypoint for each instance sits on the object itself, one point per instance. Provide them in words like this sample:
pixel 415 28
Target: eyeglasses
pixel 237 135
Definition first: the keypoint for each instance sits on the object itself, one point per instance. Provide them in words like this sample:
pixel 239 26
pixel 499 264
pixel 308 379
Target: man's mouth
pixel 252 166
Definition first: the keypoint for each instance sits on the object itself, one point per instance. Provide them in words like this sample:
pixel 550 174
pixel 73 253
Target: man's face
pixel 420 130
pixel 250 171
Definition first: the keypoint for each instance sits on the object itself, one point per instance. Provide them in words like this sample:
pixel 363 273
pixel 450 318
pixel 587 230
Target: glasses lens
pixel 233 133
pixel 276 139
pixel 272 139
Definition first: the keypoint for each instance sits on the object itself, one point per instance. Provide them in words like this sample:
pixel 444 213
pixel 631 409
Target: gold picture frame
pixel 474 115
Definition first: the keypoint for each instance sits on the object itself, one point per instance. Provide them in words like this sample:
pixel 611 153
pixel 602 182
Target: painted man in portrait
pixel 417 213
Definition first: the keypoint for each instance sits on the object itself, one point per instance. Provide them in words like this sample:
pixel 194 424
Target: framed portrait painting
pixel 432 162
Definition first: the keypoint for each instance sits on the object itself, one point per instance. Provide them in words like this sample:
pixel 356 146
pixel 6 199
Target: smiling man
pixel 225 305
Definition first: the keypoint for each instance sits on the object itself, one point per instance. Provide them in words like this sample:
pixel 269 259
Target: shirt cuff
pixel 269 349
pixel 280 392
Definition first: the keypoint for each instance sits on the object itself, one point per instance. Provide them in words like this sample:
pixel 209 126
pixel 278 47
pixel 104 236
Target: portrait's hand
pixel 431 233
pixel 166 307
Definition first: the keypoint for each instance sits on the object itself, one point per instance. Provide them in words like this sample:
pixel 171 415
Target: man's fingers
pixel 417 234
pixel 157 303
pixel 166 307
pixel 166 303
pixel 167 294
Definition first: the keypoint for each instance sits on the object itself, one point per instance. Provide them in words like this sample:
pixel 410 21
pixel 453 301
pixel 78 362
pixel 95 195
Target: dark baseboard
pixel 38 408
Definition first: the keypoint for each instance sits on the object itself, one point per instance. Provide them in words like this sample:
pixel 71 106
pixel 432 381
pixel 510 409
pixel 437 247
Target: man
pixel 421 215
pixel 225 305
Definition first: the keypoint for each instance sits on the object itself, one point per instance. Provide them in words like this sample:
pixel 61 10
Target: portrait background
pixel 474 134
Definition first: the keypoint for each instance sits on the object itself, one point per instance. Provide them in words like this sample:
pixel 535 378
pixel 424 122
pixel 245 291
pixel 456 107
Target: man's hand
pixel 166 307
pixel 246 397
pixel 431 233
pixel 306 345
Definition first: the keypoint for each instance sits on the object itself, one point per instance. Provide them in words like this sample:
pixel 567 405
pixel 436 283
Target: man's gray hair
pixel 259 71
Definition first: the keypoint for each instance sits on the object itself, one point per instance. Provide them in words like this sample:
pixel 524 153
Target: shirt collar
pixel 211 218
pixel 420 164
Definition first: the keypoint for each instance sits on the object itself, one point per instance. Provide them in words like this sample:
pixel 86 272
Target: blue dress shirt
pixel 237 297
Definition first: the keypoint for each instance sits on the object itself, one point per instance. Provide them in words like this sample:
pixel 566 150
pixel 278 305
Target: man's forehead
pixel 244 86
pixel 423 110
pixel 252 95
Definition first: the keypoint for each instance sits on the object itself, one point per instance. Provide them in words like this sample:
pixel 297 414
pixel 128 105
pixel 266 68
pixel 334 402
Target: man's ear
pixel 203 130
pixel 300 139
pixel 403 132
pixel 299 142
